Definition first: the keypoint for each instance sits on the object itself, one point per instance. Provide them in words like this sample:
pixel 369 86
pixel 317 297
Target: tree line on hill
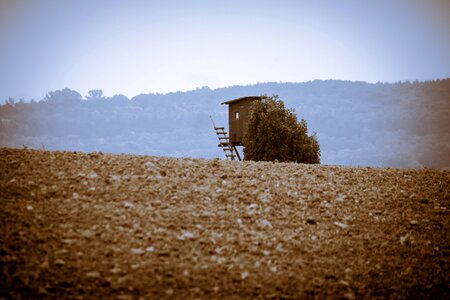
pixel 402 124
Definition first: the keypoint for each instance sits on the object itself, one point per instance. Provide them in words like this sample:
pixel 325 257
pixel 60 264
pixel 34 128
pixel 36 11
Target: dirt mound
pixel 91 225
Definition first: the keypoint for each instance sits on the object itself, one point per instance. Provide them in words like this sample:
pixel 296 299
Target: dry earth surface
pixel 92 225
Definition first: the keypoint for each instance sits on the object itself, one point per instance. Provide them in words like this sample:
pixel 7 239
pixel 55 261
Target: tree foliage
pixel 95 95
pixel 62 96
pixel 273 133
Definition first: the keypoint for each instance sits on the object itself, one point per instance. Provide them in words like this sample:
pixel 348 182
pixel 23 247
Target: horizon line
pixel 235 85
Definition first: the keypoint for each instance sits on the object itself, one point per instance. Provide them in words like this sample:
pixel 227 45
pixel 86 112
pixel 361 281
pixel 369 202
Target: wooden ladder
pixel 224 142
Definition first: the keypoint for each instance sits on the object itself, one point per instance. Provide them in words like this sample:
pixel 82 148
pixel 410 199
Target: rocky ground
pixel 92 225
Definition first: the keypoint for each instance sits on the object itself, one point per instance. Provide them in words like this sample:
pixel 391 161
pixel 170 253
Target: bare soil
pixel 92 225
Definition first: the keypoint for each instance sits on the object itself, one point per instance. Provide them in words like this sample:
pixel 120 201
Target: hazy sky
pixel 133 47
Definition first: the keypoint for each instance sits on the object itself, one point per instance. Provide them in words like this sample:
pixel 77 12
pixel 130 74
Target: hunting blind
pixel 238 117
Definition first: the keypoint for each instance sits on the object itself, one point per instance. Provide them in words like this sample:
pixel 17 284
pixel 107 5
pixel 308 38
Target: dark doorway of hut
pixel 238 117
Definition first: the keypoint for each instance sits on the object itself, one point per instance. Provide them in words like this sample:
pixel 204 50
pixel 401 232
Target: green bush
pixel 273 133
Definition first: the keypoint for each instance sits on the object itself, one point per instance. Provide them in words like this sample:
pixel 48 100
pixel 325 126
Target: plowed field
pixel 92 225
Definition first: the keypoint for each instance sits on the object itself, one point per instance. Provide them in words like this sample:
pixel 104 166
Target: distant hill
pixel 388 125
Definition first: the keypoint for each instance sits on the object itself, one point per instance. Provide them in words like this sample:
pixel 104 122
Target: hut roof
pixel 244 98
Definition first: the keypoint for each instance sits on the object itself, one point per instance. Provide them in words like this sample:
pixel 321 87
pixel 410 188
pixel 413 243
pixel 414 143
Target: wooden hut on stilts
pixel 238 117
